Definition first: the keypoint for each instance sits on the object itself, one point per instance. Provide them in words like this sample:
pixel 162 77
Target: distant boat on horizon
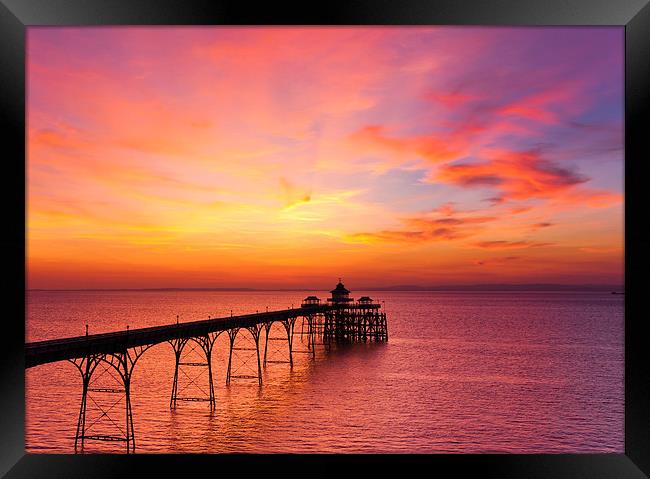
pixel 616 292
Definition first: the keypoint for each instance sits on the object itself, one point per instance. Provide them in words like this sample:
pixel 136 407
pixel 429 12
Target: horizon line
pixel 442 287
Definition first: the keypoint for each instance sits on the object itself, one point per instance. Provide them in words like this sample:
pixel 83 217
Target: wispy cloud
pixel 505 244
pixel 496 260
pixel 423 229
pixel 292 195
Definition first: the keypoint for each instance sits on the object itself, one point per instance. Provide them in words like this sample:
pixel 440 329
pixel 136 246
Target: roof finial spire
pixel 339 280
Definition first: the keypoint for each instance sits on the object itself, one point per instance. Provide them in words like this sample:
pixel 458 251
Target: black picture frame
pixel 16 15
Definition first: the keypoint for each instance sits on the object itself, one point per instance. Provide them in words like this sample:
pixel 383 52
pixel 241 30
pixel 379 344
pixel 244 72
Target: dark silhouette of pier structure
pixel 340 319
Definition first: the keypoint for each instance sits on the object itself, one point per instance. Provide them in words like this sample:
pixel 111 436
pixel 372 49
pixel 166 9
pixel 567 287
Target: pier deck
pixel 42 352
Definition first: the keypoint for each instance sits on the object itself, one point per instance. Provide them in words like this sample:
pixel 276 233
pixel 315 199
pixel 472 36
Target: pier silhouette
pixel 339 319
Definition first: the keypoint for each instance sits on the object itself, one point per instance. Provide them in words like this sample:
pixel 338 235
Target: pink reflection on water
pixel 461 373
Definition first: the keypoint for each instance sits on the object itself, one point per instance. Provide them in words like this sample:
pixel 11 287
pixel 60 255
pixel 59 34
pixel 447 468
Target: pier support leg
pixel 329 332
pixel 289 325
pixel 383 315
pixel 86 366
pixel 267 328
pixel 232 334
pixel 123 364
pixel 377 327
pixel 364 328
pixel 130 433
pixel 177 345
pixel 206 344
pixel 311 335
pixel 318 325
pixel 256 337
pixel 255 333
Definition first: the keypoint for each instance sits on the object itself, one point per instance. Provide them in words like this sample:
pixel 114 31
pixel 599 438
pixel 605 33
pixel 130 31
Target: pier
pixel 340 319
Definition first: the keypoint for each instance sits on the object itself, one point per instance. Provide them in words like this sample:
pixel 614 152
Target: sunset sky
pixel 287 157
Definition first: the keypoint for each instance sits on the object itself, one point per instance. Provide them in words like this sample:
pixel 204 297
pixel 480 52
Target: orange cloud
pixel 446 209
pixel 436 234
pixel 503 244
pixel 499 261
pixel 516 175
pixel 601 250
pixel 431 147
pixel 541 225
pixel 450 221
pixel 424 229
pixel 591 198
pixel 544 106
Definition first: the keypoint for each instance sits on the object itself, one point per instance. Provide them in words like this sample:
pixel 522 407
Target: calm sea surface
pixel 462 372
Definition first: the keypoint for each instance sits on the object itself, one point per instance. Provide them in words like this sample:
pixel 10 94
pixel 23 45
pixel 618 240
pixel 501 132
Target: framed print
pixel 359 235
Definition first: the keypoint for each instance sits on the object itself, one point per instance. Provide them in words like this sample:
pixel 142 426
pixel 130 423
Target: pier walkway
pixel 42 352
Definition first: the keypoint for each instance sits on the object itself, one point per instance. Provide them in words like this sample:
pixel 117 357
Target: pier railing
pixel 41 352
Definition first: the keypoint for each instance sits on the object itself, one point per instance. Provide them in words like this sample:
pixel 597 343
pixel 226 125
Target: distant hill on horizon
pixel 448 287
pixel 505 287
